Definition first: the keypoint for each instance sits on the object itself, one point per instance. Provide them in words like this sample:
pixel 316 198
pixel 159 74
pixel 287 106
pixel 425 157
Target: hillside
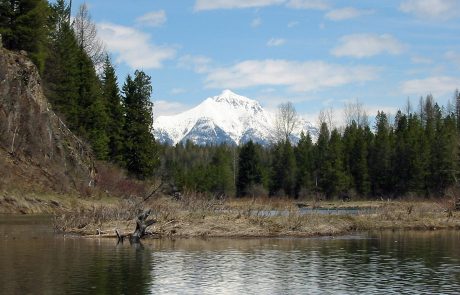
pixel 37 151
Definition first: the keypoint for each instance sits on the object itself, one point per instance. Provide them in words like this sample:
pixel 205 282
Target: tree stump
pixel 141 226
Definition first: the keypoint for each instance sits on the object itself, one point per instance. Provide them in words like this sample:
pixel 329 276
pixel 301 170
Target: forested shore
pixel 412 154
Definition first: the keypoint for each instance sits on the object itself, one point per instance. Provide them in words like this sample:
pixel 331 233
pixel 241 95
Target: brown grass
pixel 199 215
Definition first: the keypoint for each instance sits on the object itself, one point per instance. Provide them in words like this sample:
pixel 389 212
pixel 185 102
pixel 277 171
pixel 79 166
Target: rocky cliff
pixel 37 150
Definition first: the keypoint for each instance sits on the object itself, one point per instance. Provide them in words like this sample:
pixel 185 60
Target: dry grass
pixel 198 215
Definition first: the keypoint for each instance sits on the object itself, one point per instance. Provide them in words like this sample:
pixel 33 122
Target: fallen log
pixel 141 226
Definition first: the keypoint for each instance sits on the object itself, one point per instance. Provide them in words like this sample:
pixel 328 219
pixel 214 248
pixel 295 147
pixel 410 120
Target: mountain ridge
pixel 226 118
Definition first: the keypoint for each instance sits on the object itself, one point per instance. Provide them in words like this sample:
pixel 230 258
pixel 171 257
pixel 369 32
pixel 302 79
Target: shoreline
pixel 234 218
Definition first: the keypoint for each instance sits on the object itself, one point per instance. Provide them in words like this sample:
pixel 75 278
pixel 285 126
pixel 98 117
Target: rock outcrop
pixel 37 150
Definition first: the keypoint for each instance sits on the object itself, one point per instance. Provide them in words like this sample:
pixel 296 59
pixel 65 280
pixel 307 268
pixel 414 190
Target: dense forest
pixel 410 153
pixel 415 155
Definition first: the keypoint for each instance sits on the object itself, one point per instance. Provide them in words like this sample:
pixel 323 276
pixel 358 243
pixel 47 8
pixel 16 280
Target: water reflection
pixel 404 262
pixel 35 261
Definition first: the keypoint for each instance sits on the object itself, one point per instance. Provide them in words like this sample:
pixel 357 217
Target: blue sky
pixel 316 53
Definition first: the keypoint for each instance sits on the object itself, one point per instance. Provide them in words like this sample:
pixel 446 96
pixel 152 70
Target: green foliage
pixel 249 169
pixel 283 169
pixel 305 181
pixel 72 85
pixel 140 150
pixel 201 168
pixel 115 112
pixel 23 26
pixel 380 157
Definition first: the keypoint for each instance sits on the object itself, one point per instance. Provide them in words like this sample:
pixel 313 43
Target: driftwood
pixel 141 226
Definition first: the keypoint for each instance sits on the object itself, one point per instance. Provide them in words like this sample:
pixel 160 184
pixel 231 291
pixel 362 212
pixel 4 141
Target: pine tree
pixel 140 153
pixel 221 171
pixel 249 170
pixel 334 183
pixel 283 170
pixel 321 154
pixel 61 75
pixel 93 118
pixel 401 173
pixel 111 94
pixel 304 162
pixel 23 26
pixel 380 158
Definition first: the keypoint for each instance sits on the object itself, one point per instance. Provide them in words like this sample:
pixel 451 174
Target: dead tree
pixel 141 226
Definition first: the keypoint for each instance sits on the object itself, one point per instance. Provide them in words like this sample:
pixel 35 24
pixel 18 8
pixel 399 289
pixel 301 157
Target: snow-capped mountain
pixel 226 118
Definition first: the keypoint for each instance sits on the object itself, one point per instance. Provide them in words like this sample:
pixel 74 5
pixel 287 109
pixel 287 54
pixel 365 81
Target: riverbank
pixel 198 217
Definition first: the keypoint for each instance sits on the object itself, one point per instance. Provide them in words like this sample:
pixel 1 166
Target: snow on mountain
pixel 226 118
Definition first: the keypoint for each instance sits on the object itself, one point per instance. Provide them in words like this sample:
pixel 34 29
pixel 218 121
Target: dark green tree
pixel 304 162
pixel 140 153
pixel 24 26
pixel 115 112
pixel 334 182
pixel 61 75
pixel 321 154
pixel 380 157
pixel 249 169
pixel 283 170
pixel 221 171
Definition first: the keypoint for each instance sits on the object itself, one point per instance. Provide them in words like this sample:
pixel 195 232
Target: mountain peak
pixel 228 93
pixel 236 100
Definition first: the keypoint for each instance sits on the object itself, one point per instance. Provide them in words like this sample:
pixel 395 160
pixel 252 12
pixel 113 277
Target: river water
pixel 34 260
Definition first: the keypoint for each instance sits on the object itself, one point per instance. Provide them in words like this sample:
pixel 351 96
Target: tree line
pixel 411 153
pixel 80 82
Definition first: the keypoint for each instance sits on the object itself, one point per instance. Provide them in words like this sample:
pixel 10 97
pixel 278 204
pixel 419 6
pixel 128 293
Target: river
pixel 35 260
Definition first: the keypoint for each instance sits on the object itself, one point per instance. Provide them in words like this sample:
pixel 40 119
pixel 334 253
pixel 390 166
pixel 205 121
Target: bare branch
pixel 86 33
pixel 355 112
pixel 286 121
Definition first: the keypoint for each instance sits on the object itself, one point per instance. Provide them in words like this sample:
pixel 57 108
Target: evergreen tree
pixel 401 173
pixel 111 94
pixel 304 162
pixel 444 157
pixel 61 75
pixel 334 181
pixel 140 153
pixel 221 171
pixel 321 154
pixel 249 171
pixel 23 26
pixel 380 158
pixel 417 152
pixel 283 169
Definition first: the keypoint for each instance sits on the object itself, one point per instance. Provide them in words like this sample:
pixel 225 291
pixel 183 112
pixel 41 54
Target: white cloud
pixel 432 9
pixel 347 13
pixel 235 4
pixel 153 19
pixel 256 22
pixel 366 45
pixel 232 4
pixel 197 63
pixel 309 4
pixel 274 42
pixel 134 47
pixel 166 108
pixel 438 86
pixel 297 76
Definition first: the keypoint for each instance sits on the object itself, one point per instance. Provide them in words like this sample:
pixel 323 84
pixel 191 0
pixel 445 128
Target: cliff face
pixel 37 150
